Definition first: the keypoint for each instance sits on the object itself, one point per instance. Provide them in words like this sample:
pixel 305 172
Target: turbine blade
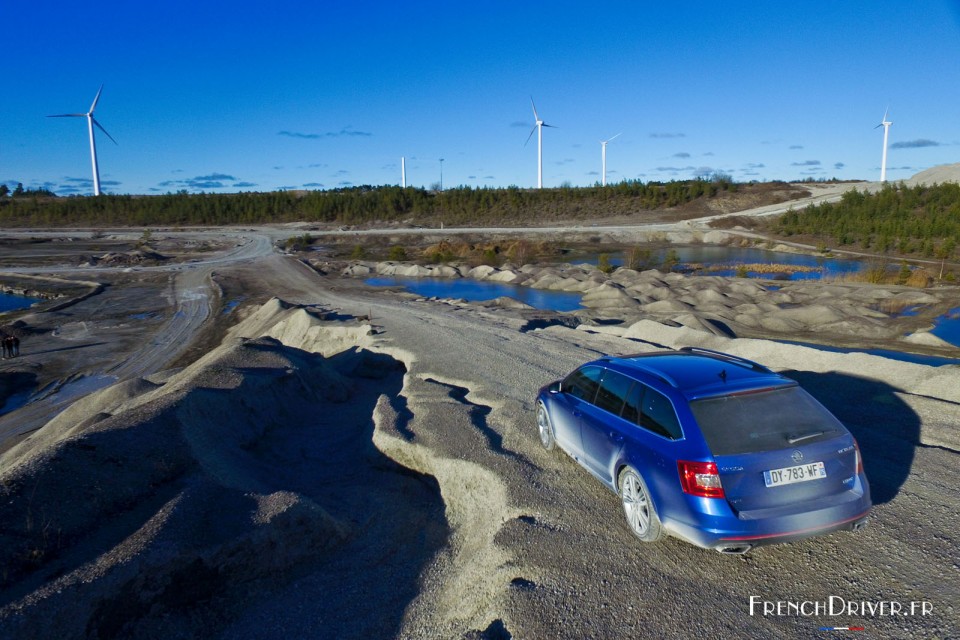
pixel 531 134
pixel 69 115
pixel 609 139
pixel 535 116
pixel 104 130
pixel 550 125
pixel 94 105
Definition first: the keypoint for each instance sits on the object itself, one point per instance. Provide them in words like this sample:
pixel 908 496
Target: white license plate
pixel 790 475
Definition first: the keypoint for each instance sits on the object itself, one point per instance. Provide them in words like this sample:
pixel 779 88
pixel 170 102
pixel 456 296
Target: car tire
pixel 638 508
pixel 545 428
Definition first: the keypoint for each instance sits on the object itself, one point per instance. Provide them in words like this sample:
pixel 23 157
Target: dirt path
pixel 187 303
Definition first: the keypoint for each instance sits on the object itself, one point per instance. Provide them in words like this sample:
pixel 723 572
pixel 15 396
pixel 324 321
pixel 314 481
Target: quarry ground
pixel 289 454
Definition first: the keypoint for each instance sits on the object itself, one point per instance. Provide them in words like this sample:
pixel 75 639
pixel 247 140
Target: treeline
pixel 922 220
pixel 358 205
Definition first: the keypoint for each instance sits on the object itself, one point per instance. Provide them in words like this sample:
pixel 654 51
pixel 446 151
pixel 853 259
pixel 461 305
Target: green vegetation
pixel 299 243
pixel 603 263
pixel 921 220
pixel 358 205
pixel 397 253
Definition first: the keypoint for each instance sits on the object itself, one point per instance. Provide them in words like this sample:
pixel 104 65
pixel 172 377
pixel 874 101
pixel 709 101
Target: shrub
pixel 603 263
pixel 638 258
pixel 490 258
pixel 298 243
pixel 904 274
pixel 920 278
pixel 671 260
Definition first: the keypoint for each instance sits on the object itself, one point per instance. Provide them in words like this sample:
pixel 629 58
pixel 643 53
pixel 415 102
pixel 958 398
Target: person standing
pixel 6 346
pixel 14 346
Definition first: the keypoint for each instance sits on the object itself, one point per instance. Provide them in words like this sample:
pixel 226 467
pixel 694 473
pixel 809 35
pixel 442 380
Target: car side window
pixel 633 404
pixel 657 415
pixel 613 392
pixel 583 383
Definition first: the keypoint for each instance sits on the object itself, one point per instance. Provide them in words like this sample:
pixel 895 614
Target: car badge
pixel 797 457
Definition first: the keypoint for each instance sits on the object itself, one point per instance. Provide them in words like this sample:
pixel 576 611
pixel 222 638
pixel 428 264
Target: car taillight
pixel 856 452
pixel 700 479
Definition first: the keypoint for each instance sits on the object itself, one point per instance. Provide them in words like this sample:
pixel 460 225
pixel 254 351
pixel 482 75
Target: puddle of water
pixel 83 386
pixel 481 290
pixel 713 259
pixel 10 302
pixel 947 327
pixel 15 401
pixel 230 306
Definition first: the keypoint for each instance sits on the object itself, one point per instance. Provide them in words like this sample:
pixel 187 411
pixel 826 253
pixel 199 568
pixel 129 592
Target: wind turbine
pixel 93 145
pixel 886 132
pixel 603 145
pixel 538 127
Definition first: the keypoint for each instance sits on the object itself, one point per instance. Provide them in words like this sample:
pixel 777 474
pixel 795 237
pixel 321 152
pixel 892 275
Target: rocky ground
pixel 365 465
pixel 230 443
pixel 855 315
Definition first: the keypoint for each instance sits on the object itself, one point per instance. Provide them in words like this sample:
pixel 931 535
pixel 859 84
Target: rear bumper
pixel 742 544
pixel 730 534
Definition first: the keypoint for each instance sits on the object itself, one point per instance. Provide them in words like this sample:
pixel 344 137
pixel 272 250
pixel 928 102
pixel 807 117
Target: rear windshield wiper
pixel 806 436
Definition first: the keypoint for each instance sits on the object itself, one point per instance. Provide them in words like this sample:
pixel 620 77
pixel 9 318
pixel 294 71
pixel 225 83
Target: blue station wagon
pixel 708 447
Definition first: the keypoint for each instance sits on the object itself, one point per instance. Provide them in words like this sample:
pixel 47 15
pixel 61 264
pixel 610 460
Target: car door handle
pixel 577 414
pixel 616 437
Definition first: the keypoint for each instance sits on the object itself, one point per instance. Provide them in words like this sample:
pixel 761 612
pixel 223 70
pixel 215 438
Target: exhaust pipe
pixel 735 550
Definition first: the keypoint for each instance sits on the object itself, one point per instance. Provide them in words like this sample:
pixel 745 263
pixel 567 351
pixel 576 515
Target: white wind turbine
pixel 538 127
pixel 93 145
pixel 886 132
pixel 603 145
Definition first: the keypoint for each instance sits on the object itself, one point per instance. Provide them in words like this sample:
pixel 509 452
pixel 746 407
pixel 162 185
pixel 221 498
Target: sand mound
pixel 134 513
pixel 937 175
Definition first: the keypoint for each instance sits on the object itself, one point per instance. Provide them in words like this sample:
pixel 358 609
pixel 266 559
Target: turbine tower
pixel 603 146
pixel 538 127
pixel 886 132
pixel 403 172
pixel 93 145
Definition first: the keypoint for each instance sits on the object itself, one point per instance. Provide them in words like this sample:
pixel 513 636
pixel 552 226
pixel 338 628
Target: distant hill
pixel 937 175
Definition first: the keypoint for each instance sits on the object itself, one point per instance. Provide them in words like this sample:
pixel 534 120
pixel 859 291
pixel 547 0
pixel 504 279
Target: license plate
pixel 790 475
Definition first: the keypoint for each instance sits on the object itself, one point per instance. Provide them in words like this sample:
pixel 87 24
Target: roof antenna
pixel 723 374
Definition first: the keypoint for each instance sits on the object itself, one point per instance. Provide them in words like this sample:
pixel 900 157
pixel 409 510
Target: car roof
pixel 698 373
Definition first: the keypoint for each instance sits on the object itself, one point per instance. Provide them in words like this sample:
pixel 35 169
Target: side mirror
pixel 554 387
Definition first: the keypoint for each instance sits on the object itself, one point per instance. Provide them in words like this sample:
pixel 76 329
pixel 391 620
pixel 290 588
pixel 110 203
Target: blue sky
pixel 243 96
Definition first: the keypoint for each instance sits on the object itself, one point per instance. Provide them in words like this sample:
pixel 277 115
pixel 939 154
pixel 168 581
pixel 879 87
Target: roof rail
pixel 728 357
pixel 635 361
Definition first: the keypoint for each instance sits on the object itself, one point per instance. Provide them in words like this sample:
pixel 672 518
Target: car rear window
pixel 763 421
